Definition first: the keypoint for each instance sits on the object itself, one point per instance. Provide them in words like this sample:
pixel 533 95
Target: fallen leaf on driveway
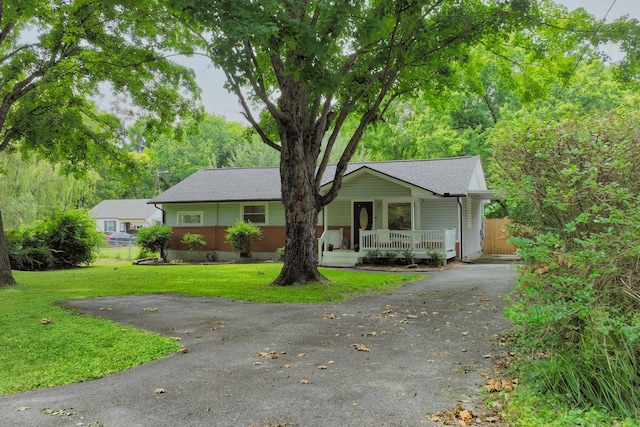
pixel 322 366
pixel 269 355
pixel 329 316
pixel 456 416
pixel 22 408
pixel 305 382
pixel 360 347
pixel 159 391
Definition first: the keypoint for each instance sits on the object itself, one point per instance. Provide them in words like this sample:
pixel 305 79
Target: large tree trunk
pixel 6 277
pixel 299 196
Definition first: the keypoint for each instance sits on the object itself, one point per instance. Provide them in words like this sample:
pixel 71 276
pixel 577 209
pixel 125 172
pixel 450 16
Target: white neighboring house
pixel 128 215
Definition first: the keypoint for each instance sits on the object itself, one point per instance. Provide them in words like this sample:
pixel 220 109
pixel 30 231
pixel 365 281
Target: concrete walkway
pixel 387 360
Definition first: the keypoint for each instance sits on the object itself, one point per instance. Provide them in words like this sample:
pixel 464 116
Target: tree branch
pixel 249 116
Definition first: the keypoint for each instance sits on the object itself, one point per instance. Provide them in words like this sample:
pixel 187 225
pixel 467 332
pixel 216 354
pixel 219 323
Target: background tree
pixel 71 48
pixel 30 188
pixel 211 145
pixel 312 65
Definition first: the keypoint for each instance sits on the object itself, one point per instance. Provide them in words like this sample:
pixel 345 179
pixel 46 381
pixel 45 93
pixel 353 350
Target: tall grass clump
pixel 573 194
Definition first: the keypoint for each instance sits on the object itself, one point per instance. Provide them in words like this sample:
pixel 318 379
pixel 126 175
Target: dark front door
pixel 362 219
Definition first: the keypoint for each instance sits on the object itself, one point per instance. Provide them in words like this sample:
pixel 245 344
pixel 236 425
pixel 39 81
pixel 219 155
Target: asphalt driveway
pixel 388 360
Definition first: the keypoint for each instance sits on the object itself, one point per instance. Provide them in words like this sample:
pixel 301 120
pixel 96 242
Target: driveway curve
pixel 388 360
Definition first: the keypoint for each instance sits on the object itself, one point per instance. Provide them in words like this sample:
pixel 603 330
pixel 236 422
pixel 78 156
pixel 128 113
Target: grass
pixel 71 348
pixel 528 408
pixel 119 253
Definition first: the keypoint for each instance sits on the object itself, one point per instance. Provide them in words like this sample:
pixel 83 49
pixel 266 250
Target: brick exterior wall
pixel 272 238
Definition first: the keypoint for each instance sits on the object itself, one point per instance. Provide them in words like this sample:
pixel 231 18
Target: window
pixel 190 218
pixel 399 216
pixel 110 226
pixel 257 214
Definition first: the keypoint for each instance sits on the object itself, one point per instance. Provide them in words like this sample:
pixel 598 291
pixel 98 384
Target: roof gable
pixel 444 177
pixel 123 209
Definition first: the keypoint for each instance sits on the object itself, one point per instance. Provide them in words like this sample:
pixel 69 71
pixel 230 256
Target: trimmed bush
pixel 240 236
pixel 155 239
pixel 195 242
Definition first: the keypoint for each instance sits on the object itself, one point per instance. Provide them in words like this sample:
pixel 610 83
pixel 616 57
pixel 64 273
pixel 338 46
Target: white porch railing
pixel 419 241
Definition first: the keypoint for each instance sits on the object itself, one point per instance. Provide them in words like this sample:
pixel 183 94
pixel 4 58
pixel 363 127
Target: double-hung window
pixel 257 214
pixel 110 226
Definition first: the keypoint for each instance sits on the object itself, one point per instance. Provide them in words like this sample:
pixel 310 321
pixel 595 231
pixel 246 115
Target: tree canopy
pixel 54 56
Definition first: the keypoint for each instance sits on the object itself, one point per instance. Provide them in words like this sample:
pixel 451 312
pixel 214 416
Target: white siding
pixel 377 214
pixel 276 214
pixel 209 211
pixel 228 213
pixel 339 213
pixel 471 226
pixel 367 186
pixel 222 214
pixel 439 213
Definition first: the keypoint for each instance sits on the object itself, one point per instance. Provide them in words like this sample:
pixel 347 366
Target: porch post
pixel 413 223
pixel 325 218
pixel 413 214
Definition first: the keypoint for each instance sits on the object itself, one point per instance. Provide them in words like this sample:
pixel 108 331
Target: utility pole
pixel 158 172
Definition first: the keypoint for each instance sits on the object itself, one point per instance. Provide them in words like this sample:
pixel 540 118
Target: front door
pixel 362 219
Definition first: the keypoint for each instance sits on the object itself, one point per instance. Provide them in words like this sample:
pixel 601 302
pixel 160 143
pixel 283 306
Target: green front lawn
pixel 70 348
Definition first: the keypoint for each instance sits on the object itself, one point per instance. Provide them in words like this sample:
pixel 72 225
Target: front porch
pixel 421 243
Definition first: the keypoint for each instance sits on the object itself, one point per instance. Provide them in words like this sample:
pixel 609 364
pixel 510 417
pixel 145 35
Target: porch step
pixel 340 258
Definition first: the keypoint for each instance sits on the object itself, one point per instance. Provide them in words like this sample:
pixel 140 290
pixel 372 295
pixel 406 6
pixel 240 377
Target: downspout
pixel 460 215
pixel 214 249
pixel 163 213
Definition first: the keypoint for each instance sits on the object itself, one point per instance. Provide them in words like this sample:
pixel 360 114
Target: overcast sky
pixel 218 101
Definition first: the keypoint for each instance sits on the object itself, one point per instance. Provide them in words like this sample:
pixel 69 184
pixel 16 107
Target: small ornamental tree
pixel 240 236
pixel 155 239
pixel 195 241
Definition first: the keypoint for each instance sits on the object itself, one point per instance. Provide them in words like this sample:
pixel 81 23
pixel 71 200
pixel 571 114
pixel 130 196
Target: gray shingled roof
pixel 123 209
pixel 440 176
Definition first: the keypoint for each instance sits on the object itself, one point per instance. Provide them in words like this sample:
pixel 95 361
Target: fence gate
pixel 495 237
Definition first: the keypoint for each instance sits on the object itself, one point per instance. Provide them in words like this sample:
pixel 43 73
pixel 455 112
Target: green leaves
pixel 573 191
pixel 155 239
pixel 78 46
pixel 240 236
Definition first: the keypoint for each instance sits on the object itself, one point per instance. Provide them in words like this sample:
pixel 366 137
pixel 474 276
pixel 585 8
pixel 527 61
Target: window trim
pixel 266 212
pixel 184 213
pixel 107 228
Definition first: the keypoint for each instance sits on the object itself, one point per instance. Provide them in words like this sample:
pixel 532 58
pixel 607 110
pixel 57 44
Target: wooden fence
pixel 495 237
